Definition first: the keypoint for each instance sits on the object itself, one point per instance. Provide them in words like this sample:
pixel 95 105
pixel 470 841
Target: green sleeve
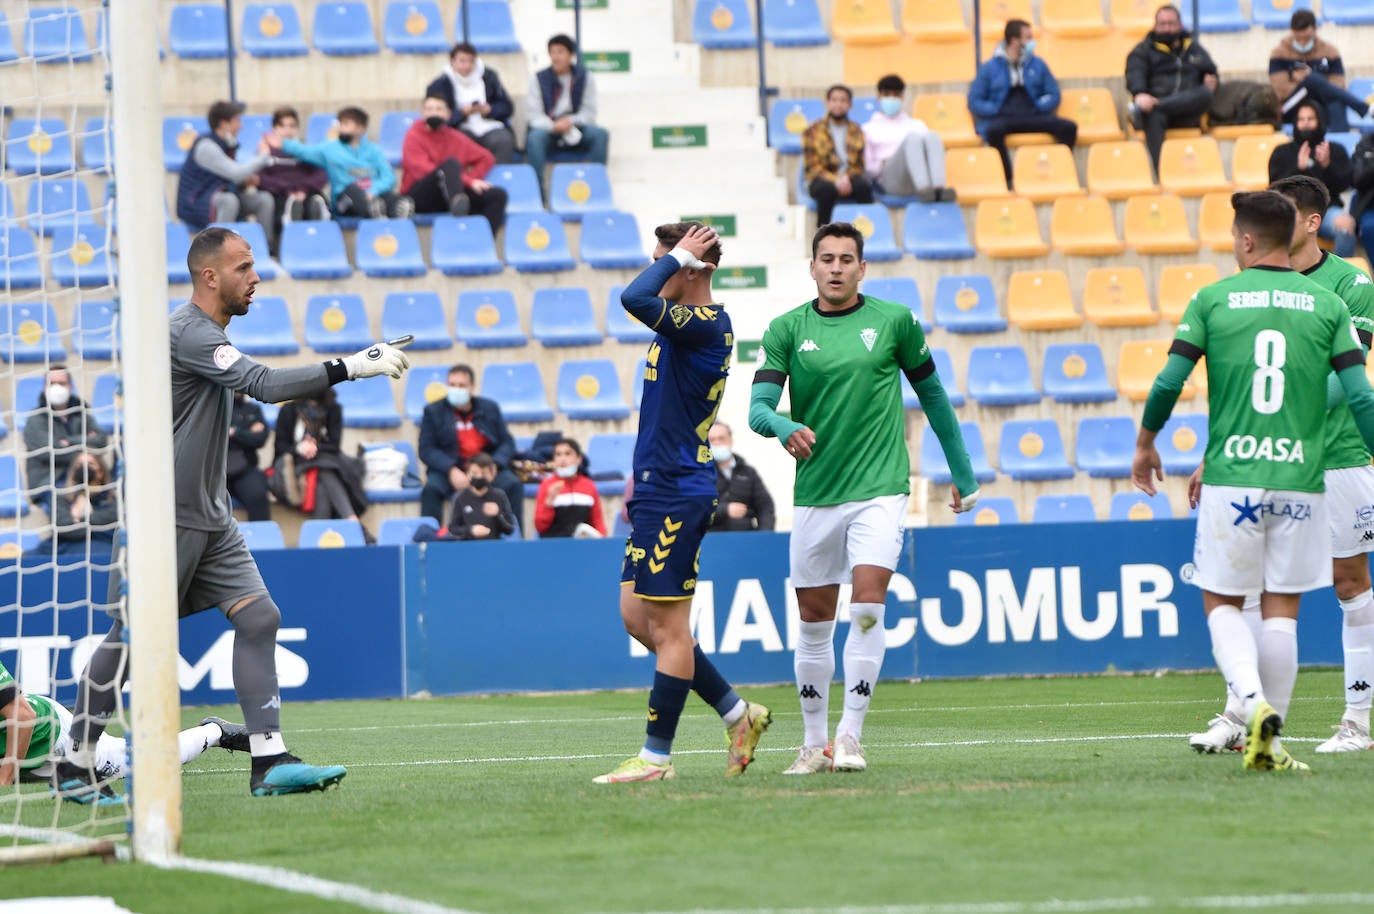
pixel 1164 394
pixel 945 424
pixel 763 412
pixel 1361 401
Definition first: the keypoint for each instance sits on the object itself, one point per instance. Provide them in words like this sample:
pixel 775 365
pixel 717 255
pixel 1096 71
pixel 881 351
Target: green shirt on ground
pixel 45 727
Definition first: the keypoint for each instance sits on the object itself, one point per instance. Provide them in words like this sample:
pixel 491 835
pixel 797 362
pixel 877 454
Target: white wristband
pixel 685 259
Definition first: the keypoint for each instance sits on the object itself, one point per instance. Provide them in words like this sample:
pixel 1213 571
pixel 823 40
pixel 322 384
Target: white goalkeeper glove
pixel 381 358
pixel 967 502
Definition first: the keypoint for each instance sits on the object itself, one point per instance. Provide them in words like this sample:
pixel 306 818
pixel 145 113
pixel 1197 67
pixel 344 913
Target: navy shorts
pixel 664 546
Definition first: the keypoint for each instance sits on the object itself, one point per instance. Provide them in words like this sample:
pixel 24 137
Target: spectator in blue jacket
pixel 453 431
pixel 561 109
pixel 1015 92
pixel 362 183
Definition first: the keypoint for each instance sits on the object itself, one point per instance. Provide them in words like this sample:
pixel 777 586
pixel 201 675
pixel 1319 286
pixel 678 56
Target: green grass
pixel 978 792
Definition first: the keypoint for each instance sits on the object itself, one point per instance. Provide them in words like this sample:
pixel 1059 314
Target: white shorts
pixel 111 758
pixel 830 540
pixel 1250 540
pixel 1350 508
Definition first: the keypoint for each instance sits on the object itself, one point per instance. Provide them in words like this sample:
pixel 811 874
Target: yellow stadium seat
pixel 1214 216
pixel 1045 173
pixel 1101 57
pixel 1156 224
pixel 1008 228
pixel 1178 282
pixel 1137 365
pixel 863 22
pixel 1073 18
pixel 947 114
pixel 1094 110
pixel 917 62
pixel 1084 227
pixel 995 13
pixel 1117 170
pixel 1192 167
pixel 976 173
pixel 1041 300
pixel 1134 17
pixel 1117 297
pixel 1017 140
pixel 1250 160
pixel 1236 131
pixel 934 20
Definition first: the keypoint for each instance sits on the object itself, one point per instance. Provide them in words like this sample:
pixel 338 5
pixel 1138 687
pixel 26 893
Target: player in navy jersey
pixel 674 496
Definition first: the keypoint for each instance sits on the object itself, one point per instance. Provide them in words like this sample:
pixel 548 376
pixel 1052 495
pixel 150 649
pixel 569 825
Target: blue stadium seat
pixel 578 188
pixel 56 35
pixel 611 453
pixel 178 134
pixel 936 231
pixel 1276 14
pixel 27 390
pixel 640 368
pixel 404 493
pixel 368 403
pixel 1182 442
pixel 488 318
pixel 990 511
pixel 314 250
pixel 261 535
pixel 620 325
pixel 944 368
pixel 387 248
pixel 199 30
pixel 265 329
pixel 876 225
pixel 15 542
pixel 424 385
pixel 902 290
pixel 398 531
pixel 1033 449
pixel 418 313
pixel 519 389
pixel 97 145
pixel 1139 506
pixel 392 134
pixel 343 29
pixel 254 127
pixel 178 245
pixel 94 336
pixel 321 126
pixel 81 257
pixel 1075 373
pixel 788 119
pixel 1063 509
pixel 1345 138
pixel 39 147
pixel 19 264
pixel 8 52
pixel 933 463
pixel 1216 16
pixel 793 23
pixel 563 317
pixel 863 108
pixel 8 214
pixel 337 323
pixel 1361 88
pixel 590 389
pixel 463 246
pixel 490 27
pixel 252 233
pixel 521 187
pixel 611 241
pixel 1000 376
pixel 1348 12
pixel 414 27
pixel 29 333
pixel 535 243
pixel 58 202
pixel 1106 446
pixel 317 533
pixel 723 25
pixel 13 501
pixel 272 30
pixel 106 402
pixel 967 304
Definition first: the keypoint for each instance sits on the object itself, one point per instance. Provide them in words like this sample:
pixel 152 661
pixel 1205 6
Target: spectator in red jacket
pixel 567 500
pixel 443 170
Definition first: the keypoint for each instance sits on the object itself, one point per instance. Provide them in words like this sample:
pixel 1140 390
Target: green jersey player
pixel 843 354
pixel 1271 336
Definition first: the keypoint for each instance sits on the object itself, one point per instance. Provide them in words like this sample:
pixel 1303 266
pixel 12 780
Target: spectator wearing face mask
pixel 902 156
pixel 86 510
pixel 1303 66
pixel 481 511
pixel 443 170
pixel 1312 154
pixel 568 501
pixel 1170 78
pixel 60 429
pixel 744 501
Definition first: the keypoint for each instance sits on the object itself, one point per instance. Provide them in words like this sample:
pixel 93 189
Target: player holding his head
pixel 844 353
pixel 1271 336
pixel 214 566
pixel 674 496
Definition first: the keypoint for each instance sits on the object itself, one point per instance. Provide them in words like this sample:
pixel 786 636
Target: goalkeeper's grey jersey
pixel 206 370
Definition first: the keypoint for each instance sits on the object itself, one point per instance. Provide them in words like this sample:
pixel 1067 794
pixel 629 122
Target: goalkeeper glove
pixel 381 358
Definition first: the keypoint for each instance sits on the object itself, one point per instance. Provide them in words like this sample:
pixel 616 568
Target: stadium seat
pixel 1137 365
pixel 489 319
pixel 947 114
pixel 337 323
pixel 424 385
pixel 1084 227
pixel 928 63
pixel 8 53
pixel 463 246
pixel 1156 224
pixel 936 231
pixel 368 403
pixel 13 501
pixel 1044 174
pixel 178 135
pixel 944 367
pixel 876 225
pixel 535 243
pixel 519 389
pixel 863 22
pixel 56 34
pixel 1117 297
pixel 265 329
pixel 388 248
pixel 1041 300
pixel 563 317
pixel 272 30
pixel 863 109
pixel 1139 506
pixel 39 147
pixel 1216 16
pixel 1008 229
pixel 1032 449
pixel 261 534
pixel 255 127
pixel 178 245
pixel 902 290
pixel 8 214
pixel 1063 509
pixel 1106 446
pixel 1075 373
pixel 934 466
pixel 343 29
pixel 1074 18
pixel 1000 376
pixel 314 250
pixel 81 257
pixel 590 389
pixel 621 326
pixel 1117 170
pixel 967 304
pixel 414 27
pixel 934 20
pixel 420 314
pixel 611 453
pixel 400 531
pixel 93 337
pixel 321 126
pixel 97 145
pixel 788 119
pixel 1250 159
pixel 14 543
pixel 977 173
pixel 1178 282
pixel 29 333
pixel 27 390
pixel 578 188
pixel 993 510
pixel 1348 12
pixel 490 27
pixel 106 401
pixel 391 134
pixel 1214 218
pixel 318 533
pixel 1192 167
pixel 252 233
pixel 521 187
pixel 723 25
pixel 19 264
pixel 793 24
pixel 1182 442
pixel 1094 111
pixel 58 202
pixel 199 30
pixel 1348 139
pixel 610 241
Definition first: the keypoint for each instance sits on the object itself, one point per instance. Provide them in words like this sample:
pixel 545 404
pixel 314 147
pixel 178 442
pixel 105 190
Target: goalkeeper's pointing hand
pixel 380 358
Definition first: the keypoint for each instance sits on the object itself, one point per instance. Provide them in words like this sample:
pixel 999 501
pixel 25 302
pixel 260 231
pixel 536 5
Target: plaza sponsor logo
pixel 1274 450
pixel 1254 512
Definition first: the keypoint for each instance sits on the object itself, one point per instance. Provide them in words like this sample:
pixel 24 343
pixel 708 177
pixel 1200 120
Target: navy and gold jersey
pixel 684 379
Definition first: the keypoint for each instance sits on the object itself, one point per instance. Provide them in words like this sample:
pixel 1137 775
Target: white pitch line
pixel 1073 906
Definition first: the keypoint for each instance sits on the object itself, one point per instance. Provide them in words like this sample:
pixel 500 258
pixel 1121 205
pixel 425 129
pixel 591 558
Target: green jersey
pixel 1344 446
pixel 844 371
pixel 1270 336
pixel 45 726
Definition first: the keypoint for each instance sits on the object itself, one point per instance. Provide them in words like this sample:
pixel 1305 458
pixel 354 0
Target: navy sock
pixel 710 685
pixel 666 701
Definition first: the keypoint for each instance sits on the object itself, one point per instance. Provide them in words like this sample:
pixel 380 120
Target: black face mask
pixel 1310 137
pixel 434 122
pixel 346 139
pixel 478 483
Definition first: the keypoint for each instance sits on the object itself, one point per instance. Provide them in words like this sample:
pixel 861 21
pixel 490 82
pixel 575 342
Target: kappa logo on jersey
pixel 225 356
pixel 808 346
pixel 869 336
pixel 1360 280
pixel 760 357
pixel 1297 511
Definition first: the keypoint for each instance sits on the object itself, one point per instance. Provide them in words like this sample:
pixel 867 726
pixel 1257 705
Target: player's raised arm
pixel 661 297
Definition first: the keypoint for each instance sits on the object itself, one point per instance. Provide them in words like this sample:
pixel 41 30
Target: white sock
pixel 655 758
pixel 1357 640
pixel 264 744
pixel 732 716
pixel 814 664
pixel 191 743
pixel 1237 656
pixel 1278 662
pixel 863 661
pixel 1250 612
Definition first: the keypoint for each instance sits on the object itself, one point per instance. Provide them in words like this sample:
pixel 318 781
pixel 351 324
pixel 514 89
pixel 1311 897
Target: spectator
pixel 901 155
pixel 1303 66
pixel 568 503
pixel 58 430
pixel 1362 179
pixel 86 510
pixel 1170 79
pixel 480 512
pixel 478 103
pixel 744 502
pixel 452 432
pixel 298 188
pixel 562 111
pixel 244 478
pixel 214 186
pixel 361 181
pixel 828 176
pixel 1015 92
pixel 444 171
pixel 315 475
pixel 1312 154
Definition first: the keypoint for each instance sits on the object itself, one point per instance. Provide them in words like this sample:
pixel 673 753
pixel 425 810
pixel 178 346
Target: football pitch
pixel 982 797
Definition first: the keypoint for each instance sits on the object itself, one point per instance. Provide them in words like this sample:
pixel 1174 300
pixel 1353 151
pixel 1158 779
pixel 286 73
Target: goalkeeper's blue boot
pixel 75 784
pixel 233 737
pixel 1265 724
pixel 275 775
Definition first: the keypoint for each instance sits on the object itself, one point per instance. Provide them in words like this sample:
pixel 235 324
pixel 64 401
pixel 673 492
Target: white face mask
pixel 58 395
pixel 567 472
pixel 721 453
pixel 1302 47
pixel 459 396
